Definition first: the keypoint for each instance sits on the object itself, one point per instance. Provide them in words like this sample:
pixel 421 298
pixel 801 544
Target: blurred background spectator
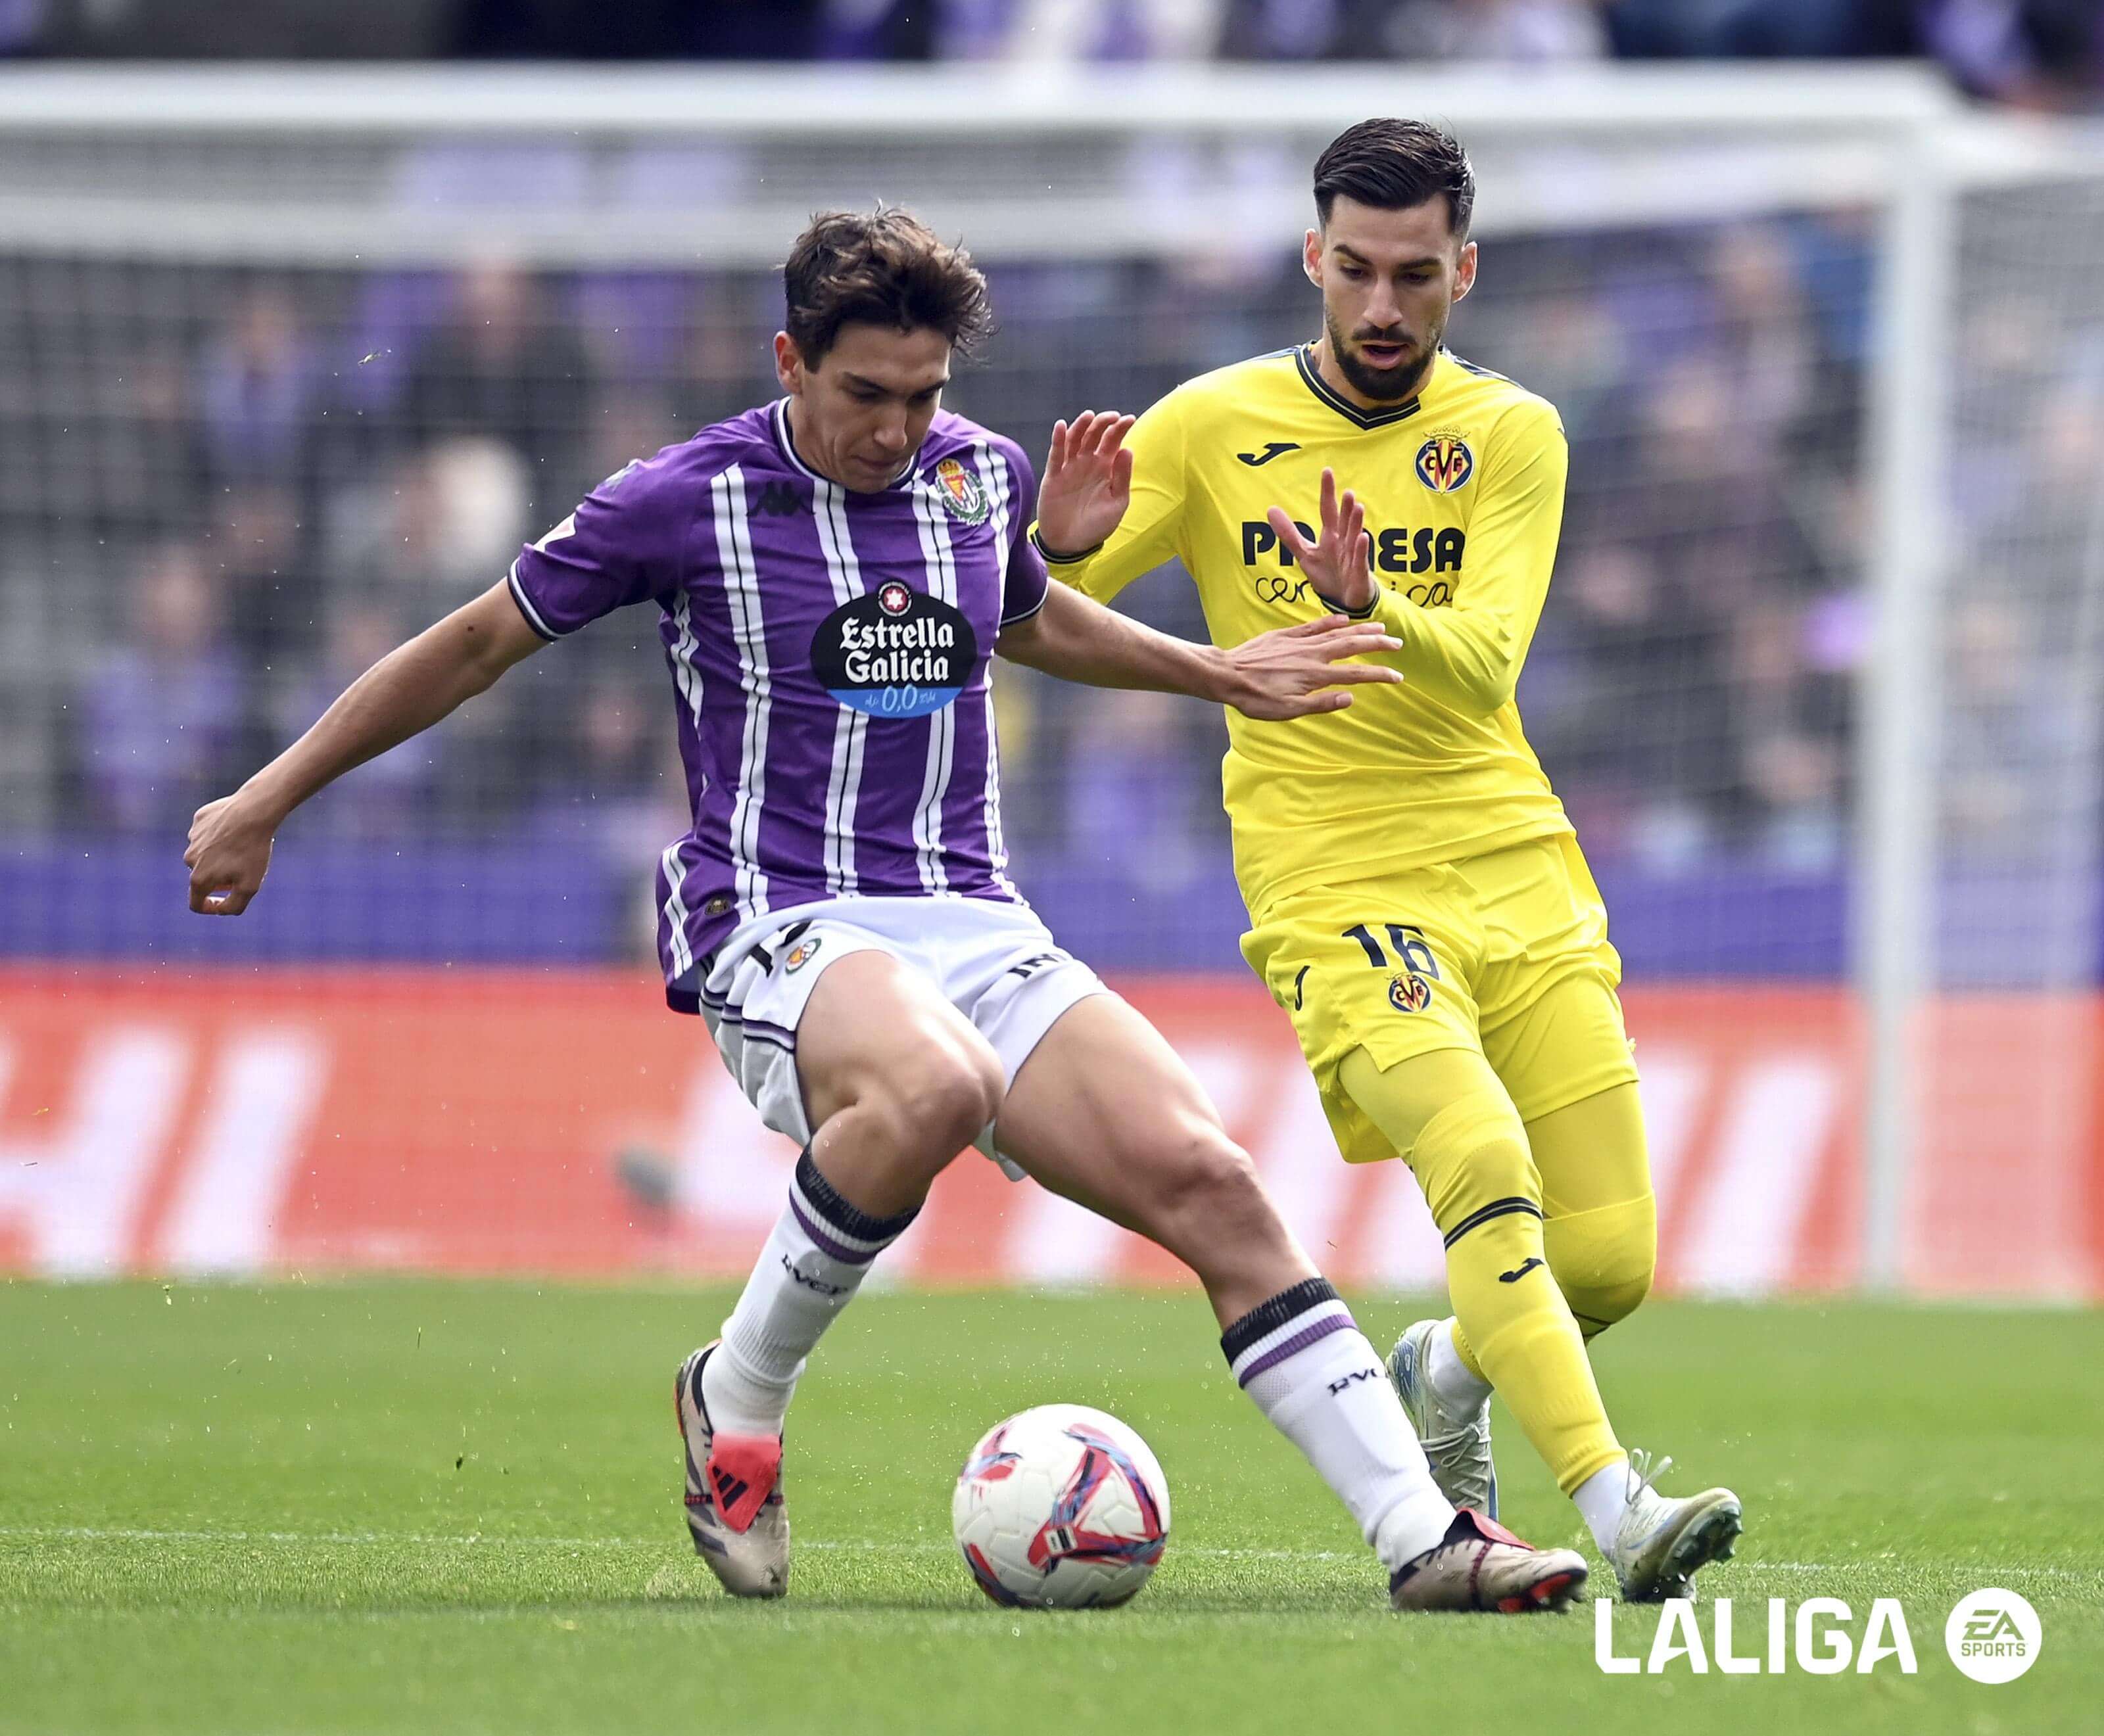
pixel 2036 53
pixel 253 484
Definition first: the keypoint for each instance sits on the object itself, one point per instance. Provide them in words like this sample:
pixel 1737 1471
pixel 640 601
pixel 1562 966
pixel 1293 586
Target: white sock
pixel 1458 1386
pixel 1601 1500
pixel 1304 1359
pixel 814 1261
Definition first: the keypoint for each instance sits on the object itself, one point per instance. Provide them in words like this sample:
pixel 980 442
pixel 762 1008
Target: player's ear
pixel 1464 272
pixel 1311 256
pixel 788 364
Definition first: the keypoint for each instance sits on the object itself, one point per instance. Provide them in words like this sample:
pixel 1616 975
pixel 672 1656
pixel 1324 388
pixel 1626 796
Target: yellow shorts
pixel 1456 956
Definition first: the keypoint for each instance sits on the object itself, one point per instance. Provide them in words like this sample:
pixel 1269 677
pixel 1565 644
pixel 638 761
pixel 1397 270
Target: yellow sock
pixel 1447 1114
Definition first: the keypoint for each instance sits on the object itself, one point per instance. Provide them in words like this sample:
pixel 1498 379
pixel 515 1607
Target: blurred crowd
pixel 281 476
pixel 2041 53
pixel 224 494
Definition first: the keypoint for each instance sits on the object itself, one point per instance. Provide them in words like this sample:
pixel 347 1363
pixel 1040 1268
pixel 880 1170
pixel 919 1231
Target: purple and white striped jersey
pixel 830 651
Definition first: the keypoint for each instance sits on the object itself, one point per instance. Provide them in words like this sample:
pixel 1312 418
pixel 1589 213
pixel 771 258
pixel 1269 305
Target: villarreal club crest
pixel 1445 463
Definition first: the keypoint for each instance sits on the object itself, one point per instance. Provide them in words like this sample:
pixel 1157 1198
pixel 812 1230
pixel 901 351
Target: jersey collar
pixel 1303 358
pixel 783 438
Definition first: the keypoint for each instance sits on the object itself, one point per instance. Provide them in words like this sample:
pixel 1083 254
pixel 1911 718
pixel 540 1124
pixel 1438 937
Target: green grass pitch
pixel 393 1507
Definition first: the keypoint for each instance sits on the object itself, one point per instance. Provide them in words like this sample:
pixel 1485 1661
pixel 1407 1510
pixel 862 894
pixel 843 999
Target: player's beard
pixel 1389 386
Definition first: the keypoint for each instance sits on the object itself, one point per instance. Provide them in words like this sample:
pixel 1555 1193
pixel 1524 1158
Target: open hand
pixel 1297 671
pixel 1087 483
pixel 228 855
pixel 1339 561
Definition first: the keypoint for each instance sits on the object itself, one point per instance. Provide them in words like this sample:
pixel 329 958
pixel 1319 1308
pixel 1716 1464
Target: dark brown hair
pixel 1394 165
pixel 880 268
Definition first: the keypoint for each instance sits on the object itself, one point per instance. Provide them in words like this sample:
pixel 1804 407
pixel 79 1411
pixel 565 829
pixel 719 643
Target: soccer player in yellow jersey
pixel 1418 904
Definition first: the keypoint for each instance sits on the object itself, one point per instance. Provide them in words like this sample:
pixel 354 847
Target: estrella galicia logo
pixel 1445 463
pixel 1408 992
pixel 894 652
pixel 960 493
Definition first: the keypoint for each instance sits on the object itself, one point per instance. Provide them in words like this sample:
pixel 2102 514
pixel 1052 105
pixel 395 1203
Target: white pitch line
pixel 859 1546
pixel 342 1539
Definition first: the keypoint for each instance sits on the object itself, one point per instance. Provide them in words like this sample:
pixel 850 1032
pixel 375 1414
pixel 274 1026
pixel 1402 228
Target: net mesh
pixel 272 400
pixel 2013 1032
pixel 225 490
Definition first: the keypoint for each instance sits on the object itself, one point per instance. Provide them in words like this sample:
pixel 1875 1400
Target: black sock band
pixel 824 1200
pixel 1268 1316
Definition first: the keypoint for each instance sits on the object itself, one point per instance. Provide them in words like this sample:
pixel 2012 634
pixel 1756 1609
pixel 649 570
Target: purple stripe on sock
pixel 840 1251
pixel 1294 1345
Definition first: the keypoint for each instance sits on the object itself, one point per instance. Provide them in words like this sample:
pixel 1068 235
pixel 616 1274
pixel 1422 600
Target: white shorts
pixel 996 963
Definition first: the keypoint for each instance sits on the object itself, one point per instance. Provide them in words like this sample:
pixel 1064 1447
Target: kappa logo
pixel 780 500
pixel 1273 449
pixel 1445 463
pixel 1408 992
pixel 960 493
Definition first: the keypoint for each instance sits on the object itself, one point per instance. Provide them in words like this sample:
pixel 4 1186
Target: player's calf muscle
pixel 1203 1201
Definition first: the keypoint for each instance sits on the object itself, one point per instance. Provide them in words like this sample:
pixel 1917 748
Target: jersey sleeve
pixel 1468 655
pixel 1151 529
pixel 1023 591
pixel 621 546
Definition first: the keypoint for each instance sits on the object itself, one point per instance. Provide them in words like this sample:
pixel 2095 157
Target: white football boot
pixel 735 1512
pixel 1457 1444
pixel 1662 1541
pixel 1480 1565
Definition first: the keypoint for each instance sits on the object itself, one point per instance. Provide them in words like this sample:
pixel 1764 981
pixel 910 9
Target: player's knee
pixel 1471 1162
pixel 1203 1193
pixel 935 1106
pixel 1603 1261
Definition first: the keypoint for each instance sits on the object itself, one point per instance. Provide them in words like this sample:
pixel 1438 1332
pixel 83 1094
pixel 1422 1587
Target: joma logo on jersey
pixel 1395 549
pixel 1445 463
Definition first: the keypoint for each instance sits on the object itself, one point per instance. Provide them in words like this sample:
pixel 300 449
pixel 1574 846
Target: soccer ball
pixel 1061 1507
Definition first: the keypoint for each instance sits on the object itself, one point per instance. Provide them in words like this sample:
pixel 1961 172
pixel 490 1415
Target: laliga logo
pixel 1819 1649
pixel 1992 1635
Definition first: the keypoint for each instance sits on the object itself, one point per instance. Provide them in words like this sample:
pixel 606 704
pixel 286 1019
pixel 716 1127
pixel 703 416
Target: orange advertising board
pixel 237 1121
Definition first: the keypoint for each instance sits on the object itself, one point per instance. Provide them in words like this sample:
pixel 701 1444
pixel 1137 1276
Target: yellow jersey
pixel 1464 492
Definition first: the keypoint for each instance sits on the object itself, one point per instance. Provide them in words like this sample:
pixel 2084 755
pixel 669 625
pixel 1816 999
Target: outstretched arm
pixel 1467 657
pixel 402 695
pixel 1289 673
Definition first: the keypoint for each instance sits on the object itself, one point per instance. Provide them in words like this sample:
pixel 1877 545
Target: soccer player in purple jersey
pixel 833 572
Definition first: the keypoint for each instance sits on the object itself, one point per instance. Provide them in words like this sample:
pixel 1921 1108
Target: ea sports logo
pixel 1408 992
pixel 1993 1635
pixel 894 599
pixel 1445 463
